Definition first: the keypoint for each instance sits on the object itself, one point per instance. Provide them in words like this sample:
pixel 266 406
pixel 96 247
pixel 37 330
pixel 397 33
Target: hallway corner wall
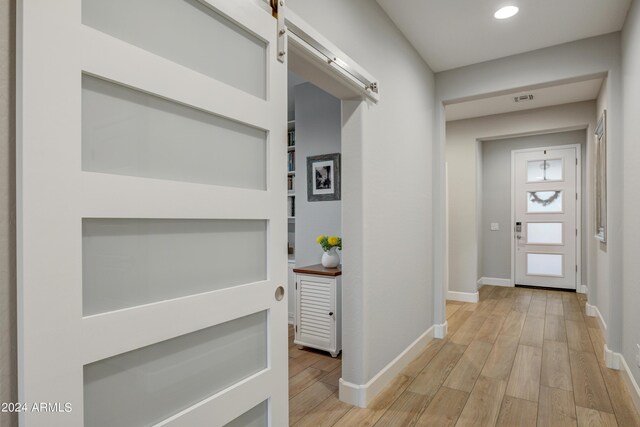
pixel 388 228
pixel 464 232
pixel 599 289
pixel 8 364
pixel 631 132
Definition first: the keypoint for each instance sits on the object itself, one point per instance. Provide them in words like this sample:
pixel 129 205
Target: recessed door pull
pixel 279 294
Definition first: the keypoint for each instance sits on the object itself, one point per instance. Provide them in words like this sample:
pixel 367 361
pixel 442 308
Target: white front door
pixel 151 234
pixel 546 183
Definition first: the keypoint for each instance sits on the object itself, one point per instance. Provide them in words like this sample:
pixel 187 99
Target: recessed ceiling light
pixel 506 12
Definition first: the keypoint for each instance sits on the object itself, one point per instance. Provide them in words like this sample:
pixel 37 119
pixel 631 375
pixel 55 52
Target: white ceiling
pixel 543 97
pixel 454 33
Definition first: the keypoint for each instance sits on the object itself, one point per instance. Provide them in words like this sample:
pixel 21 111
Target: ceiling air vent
pixel 523 98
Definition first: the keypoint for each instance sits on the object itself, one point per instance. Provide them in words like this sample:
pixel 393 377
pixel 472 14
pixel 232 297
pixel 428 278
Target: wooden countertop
pixel 319 270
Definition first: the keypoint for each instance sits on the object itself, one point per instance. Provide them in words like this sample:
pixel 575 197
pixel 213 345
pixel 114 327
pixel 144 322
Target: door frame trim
pixel 578 148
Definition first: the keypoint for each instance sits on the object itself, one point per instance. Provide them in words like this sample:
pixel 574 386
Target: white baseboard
pixel 582 289
pixel 631 383
pixel 603 324
pixel 495 282
pixel 592 311
pixel 291 318
pixel 353 394
pixel 615 360
pixel 612 359
pixel 440 331
pixel 361 394
pixel 463 296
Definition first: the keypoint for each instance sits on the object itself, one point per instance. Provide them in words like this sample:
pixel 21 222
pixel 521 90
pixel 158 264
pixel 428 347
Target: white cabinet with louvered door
pixel 318 322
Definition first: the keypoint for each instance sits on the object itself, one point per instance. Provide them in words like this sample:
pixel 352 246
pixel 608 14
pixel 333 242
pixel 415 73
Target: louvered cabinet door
pixel 317 312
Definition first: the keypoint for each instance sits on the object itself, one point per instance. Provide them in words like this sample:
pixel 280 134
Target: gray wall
pixel 318 127
pixel 293 80
pixel 464 230
pixel 600 295
pixel 8 370
pixel 631 81
pixel 496 201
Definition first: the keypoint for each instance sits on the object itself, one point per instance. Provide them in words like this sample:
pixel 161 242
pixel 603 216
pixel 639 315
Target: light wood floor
pixel 520 357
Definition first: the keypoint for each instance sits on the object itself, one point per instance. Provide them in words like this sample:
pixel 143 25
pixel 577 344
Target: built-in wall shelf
pixel 291 188
pixel 291 173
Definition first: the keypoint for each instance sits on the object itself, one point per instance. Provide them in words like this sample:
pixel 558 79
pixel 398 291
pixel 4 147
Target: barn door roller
pixel 277 10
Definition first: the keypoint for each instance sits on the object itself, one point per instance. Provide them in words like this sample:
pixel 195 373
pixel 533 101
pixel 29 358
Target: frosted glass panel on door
pixel 544 201
pixel 129 262
pixel 188 33
pixel 544 265
pixel 544 170
pixel 128 132
pixel 255 417
pixel 145 386
pixel 541 233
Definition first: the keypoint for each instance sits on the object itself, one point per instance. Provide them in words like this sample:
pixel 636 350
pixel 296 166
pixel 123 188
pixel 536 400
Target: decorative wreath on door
pixel 544 202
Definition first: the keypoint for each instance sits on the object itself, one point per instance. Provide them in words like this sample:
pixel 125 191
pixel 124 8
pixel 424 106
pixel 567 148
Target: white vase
pixel 330 259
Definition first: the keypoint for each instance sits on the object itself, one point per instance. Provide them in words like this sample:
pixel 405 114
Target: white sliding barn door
pixel 151 184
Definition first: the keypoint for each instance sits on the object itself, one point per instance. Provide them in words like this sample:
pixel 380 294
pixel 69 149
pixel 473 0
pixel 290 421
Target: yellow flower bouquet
pixel 328 242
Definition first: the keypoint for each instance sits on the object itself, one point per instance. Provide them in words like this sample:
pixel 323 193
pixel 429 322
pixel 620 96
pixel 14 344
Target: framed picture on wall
pixel 323 177
pixel 601 178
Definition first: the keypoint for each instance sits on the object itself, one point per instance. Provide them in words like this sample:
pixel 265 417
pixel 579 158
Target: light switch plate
pixel 495 226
